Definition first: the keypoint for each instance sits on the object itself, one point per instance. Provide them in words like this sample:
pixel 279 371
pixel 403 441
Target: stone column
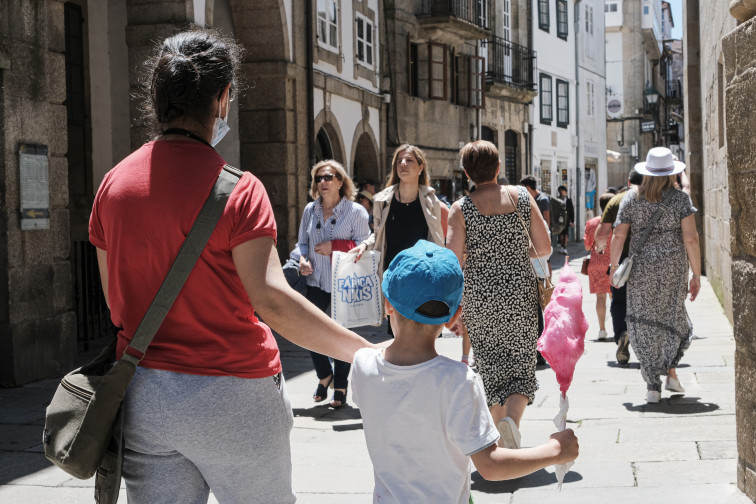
pixel 37 323
pixel 739 47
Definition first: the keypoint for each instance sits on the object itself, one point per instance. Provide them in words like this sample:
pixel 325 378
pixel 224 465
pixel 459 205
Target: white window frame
pixel 590 98
pixel 324 8
pixel 610 7
pixel 367 41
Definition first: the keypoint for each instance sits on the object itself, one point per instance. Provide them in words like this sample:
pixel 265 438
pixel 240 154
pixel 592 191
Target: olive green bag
pixel 83 423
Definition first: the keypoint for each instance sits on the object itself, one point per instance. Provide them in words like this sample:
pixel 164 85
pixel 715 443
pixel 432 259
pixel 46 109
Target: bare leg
pixel 601 310
pixel 513 407
pixel 672 373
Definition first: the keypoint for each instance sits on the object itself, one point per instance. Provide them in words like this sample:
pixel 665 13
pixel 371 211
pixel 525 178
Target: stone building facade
pixel 739 51
pixel 706 138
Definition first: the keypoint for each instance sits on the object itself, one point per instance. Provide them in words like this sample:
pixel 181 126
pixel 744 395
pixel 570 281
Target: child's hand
pixel 568 446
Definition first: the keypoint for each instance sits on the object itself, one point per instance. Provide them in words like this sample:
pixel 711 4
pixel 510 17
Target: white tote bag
pixel 356 289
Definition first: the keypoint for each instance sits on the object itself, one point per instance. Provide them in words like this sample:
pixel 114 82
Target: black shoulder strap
pixel 187 257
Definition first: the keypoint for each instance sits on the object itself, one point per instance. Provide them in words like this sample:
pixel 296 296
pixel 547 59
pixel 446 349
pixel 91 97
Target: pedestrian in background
pixel 657 322
pixel 500 303
pixel 332 222
pixel 599 282
pixel 564 236
pixel 365 198
pixel 406 211
pixel 207 408
pixel 619 298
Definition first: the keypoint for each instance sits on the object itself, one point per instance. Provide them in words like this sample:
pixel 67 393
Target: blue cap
pixel 424 272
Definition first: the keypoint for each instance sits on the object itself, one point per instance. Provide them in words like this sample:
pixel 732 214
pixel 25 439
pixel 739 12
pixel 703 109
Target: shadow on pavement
pixel 540 478
pixel 675 405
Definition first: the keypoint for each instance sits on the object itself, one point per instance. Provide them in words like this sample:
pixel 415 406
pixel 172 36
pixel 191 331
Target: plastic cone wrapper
pixel 563 341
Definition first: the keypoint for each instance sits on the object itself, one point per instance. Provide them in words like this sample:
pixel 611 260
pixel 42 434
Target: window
pixel 461 75
pixel 483 6
pixel 590 98
pixel 563 103
pixel 589 19
pixel 437 71
pixel 477 80
pixel 328 24
pixel 543 15
pixel 610 7
pixel 562 21
pixel 546 99
pixel 364 41
pixel 645 10
pixel 414 69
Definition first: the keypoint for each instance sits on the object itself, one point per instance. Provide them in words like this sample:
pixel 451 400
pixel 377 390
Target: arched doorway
pixel 365 161
pixel 323 148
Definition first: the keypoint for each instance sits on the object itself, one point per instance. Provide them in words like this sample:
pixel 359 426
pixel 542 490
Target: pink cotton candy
pixel 565 325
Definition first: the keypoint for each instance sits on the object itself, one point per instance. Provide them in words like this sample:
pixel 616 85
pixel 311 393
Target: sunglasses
pixel 320 178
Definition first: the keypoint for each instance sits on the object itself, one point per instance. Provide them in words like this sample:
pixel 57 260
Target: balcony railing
pixel 674 90
pixel 510 63
pixel 476 12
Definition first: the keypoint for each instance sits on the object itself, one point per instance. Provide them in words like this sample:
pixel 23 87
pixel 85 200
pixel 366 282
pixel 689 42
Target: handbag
pixel 586 263
pixel 623 270
pixel 545 287
pixel 356 289
pixel 83 422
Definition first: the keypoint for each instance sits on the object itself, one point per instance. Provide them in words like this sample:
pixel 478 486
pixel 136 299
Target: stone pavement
pixel 680 451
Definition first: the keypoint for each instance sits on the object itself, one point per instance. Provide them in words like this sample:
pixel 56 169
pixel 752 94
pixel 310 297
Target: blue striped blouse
pixel 348 222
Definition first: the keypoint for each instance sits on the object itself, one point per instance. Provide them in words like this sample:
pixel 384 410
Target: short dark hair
pixel 612 190
pixel 529 181
pixel 635 178
pixel 604 200
pixel 480 159
pixel 562 188
pixel 189 71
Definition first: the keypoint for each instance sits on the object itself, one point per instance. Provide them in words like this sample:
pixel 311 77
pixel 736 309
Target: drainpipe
pixel 578 172
pixel 309 54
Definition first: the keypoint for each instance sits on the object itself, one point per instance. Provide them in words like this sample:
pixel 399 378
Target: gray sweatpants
pixel 186 434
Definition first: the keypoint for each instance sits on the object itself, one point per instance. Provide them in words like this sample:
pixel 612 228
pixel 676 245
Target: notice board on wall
pixel 34 182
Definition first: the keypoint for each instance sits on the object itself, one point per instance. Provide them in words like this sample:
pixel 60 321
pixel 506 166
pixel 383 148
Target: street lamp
pixel 652 97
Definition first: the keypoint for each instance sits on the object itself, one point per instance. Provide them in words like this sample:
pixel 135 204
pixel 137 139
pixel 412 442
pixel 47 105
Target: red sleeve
pixel 96 232
pixel 251 210
pixel 342 245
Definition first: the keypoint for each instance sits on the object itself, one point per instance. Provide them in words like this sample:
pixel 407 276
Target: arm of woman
pixel 369 242
pixel 444 218
pixel 693 250
pixel 618 243
pixel 588 239
pixel 539 232
pixel 285 310
pixel 303 242
pixel 455 238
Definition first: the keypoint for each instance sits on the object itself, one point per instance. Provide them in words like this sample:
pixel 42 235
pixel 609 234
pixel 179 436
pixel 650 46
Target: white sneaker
pixel 602 335
pixel 673 385
pixel 653 396
pixel 509 433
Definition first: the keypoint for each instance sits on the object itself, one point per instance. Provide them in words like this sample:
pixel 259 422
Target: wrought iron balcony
pixel 450 21
pixel 674 92
pixel 511 69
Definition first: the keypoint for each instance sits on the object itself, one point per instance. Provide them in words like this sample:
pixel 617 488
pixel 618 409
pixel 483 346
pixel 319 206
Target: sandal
pixel 338 397
pixel 322 391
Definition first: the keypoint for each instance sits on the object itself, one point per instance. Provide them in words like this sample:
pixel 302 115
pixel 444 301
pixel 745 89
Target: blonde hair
pixel 347 189
pixel 422 178
pixel 651 188
pixel 480 159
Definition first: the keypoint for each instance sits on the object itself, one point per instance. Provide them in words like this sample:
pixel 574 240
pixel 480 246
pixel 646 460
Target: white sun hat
pixel 660 162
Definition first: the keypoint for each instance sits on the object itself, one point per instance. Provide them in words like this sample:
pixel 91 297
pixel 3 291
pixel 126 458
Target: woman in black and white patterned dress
pixel 657 322
pixel 500 300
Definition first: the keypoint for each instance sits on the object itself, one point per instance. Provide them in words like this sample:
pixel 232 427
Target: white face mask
pixel 221 127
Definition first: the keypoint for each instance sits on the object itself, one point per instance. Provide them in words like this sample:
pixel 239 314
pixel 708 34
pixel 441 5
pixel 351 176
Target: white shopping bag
pixel 355 289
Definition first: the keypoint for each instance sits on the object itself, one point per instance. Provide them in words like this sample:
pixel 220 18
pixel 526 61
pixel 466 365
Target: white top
pixel 421 425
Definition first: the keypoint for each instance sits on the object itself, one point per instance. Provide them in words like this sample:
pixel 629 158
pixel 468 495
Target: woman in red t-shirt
pixel 207 407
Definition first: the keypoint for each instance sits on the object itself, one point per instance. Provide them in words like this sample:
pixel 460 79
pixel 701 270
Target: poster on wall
pixel 34 182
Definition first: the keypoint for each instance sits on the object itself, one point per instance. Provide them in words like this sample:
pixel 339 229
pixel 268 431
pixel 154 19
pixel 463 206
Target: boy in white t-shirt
pixel 425 416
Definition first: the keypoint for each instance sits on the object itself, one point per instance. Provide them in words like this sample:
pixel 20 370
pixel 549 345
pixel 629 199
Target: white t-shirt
pixel 421 425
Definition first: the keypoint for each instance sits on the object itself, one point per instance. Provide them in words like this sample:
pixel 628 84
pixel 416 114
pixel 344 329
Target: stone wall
pixel 37 324
pixel 739 48
pixel 716 217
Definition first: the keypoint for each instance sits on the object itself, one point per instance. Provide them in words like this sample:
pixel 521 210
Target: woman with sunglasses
pixel 333 222
pixel 406 211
